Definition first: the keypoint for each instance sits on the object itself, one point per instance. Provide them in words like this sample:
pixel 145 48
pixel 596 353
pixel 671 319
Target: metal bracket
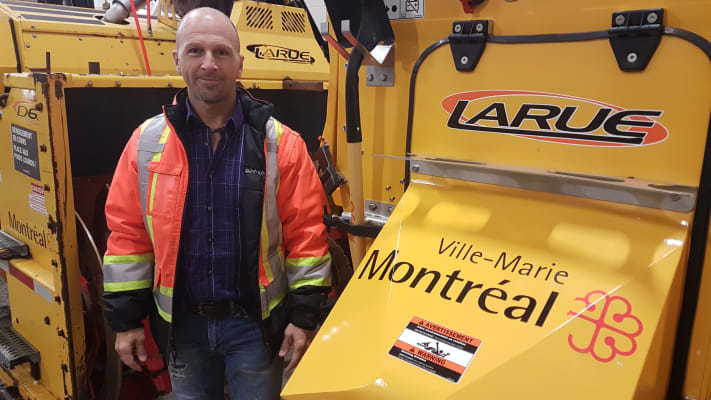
pixel 326 35
pixel 381 74
pixel 634 37
pixel 468 40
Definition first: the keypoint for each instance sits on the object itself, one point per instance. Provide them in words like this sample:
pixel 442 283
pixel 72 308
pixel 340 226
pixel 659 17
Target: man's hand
pixel 298 340
pixel 130 346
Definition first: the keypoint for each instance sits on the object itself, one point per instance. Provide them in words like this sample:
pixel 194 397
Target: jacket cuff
pixel 303 307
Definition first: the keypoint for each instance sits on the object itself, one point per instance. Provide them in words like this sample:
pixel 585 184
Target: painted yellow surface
pixel 611 273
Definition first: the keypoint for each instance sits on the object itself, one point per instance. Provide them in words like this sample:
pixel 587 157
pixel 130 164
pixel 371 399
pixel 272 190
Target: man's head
pixel 207 55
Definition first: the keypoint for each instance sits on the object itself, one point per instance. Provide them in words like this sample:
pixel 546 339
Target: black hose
pixel 353 132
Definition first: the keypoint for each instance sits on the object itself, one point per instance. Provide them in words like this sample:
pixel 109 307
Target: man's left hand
pixel 297 340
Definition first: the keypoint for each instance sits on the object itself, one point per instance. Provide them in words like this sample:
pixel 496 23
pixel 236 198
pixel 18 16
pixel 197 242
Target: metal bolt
pixel 27 45
pixel 34 35
pixel 383 77
pixel 415 168
pixel 38 106
pixel 675 197
pixel 479 27
pixel 402 181
pixel 118 83
pixel 652 18
pixel 370 77
pixel 620 19
pixel 344 127
pixel 464 60
pixel 392 198
pixel 388 187
pixel 46 320
pixel 457 28
pixel 121 41
pixel 80 38
pixel 46 188
pixel 632 58
pixel 43 148
pixel 372 206
pixel 170 84
pixel 90 84
pixel 390 210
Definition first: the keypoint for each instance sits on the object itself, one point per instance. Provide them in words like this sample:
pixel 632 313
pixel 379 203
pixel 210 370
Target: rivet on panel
pixel 46 187
pixel 372 206
pixel 34 35
pixel 27 45
pixel 118 83
pixel 90 83
pixel 392 198
pixel 388 187
pixel 46 320
pixel 43 148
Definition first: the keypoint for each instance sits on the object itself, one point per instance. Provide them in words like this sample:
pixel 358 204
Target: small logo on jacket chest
pixel 252 171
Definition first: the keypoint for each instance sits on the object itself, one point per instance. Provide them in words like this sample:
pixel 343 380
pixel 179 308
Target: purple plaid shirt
pixel 211 254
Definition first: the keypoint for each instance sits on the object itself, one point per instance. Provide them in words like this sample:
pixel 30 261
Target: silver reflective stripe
pixel 298 273
pixel 271 211
pixel 165 305
pixel 117 273
pixel 148 144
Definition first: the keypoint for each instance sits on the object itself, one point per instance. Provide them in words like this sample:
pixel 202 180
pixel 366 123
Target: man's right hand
pixel 130 346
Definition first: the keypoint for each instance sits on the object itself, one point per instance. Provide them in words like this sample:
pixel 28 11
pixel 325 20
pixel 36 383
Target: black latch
pixel 468 40
pixel 634 37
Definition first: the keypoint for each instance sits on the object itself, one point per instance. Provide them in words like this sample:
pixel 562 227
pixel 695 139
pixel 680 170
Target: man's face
pixel 208 58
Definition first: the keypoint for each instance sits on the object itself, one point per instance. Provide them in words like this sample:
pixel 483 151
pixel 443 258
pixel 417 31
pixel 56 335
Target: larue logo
pixel 269 52
pixel 553 118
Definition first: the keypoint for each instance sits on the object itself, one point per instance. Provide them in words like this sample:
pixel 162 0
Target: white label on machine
pixel 37 199
pixel 405 9
pixel 435 348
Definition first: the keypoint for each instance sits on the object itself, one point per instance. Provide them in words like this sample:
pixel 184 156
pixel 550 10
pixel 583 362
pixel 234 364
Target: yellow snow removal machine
pixel 537 177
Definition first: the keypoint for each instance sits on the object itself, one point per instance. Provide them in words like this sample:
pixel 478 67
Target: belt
pixel 215 309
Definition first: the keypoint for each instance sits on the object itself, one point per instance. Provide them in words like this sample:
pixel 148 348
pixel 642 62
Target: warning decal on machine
pixel 435 348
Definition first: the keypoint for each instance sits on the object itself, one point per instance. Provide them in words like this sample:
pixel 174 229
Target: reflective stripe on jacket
pixel 145 206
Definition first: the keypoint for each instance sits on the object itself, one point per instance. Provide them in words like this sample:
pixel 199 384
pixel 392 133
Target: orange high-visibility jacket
pixel 285 244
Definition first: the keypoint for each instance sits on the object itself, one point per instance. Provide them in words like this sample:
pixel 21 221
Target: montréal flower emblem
pixel 615 329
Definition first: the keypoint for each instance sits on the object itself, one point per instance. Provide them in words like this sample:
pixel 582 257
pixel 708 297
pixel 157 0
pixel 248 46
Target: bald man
pixel 216 231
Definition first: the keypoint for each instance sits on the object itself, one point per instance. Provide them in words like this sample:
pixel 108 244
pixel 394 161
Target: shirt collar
pixel 233 124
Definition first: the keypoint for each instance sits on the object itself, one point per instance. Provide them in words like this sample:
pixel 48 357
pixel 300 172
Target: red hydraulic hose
pixel 140 37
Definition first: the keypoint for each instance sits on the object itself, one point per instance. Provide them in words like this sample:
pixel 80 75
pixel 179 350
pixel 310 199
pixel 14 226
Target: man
pixel 215 215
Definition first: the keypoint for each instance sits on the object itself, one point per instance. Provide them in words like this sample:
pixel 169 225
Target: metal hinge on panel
pixel 634 37
pixel 468 40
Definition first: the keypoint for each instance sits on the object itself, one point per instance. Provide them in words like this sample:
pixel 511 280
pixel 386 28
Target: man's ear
pixel 176 60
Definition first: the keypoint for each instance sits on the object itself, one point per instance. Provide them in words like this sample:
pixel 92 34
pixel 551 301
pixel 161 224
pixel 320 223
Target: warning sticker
pixel 24 151
pixel 405 9
pixel 436 349
pixel 37 199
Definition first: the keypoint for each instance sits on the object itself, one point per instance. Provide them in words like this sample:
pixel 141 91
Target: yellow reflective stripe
pixel 125 286
pixel 149 220
pixel 273 303
pixel 307 261
pixel 264 242
pixel 163 314
pixel 166 291
pixel 129 259
pixel 279 130
pixel 162 140
pixel 323 282
pixel 153 191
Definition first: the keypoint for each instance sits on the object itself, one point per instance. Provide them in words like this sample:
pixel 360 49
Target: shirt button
pixel 209 272
pixel 209 208
pixel 209 239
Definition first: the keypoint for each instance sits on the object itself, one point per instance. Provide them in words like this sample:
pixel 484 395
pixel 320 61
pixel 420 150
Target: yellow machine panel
pixel 545 216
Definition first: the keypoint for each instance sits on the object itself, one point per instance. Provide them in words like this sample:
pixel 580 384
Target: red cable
pixel 140 37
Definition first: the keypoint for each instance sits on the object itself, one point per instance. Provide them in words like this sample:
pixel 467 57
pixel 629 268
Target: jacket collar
pixel 256 112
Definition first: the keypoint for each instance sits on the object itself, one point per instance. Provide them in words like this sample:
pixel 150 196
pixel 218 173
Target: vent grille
pixel 293 22
pixel 260 18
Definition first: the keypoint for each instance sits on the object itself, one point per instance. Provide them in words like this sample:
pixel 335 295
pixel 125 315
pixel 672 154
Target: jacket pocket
pixel 163 187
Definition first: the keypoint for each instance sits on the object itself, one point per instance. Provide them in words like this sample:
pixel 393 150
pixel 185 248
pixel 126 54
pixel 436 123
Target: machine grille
pixel 293 22
pixel 259 17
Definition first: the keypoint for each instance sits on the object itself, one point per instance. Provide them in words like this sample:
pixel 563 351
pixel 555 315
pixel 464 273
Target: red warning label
pixel 435 348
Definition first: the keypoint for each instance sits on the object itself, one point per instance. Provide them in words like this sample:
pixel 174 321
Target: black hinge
pixel 468 40
pixel 634 37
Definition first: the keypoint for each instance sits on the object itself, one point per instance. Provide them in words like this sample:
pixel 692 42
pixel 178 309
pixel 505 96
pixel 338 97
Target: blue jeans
pixel 206 349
